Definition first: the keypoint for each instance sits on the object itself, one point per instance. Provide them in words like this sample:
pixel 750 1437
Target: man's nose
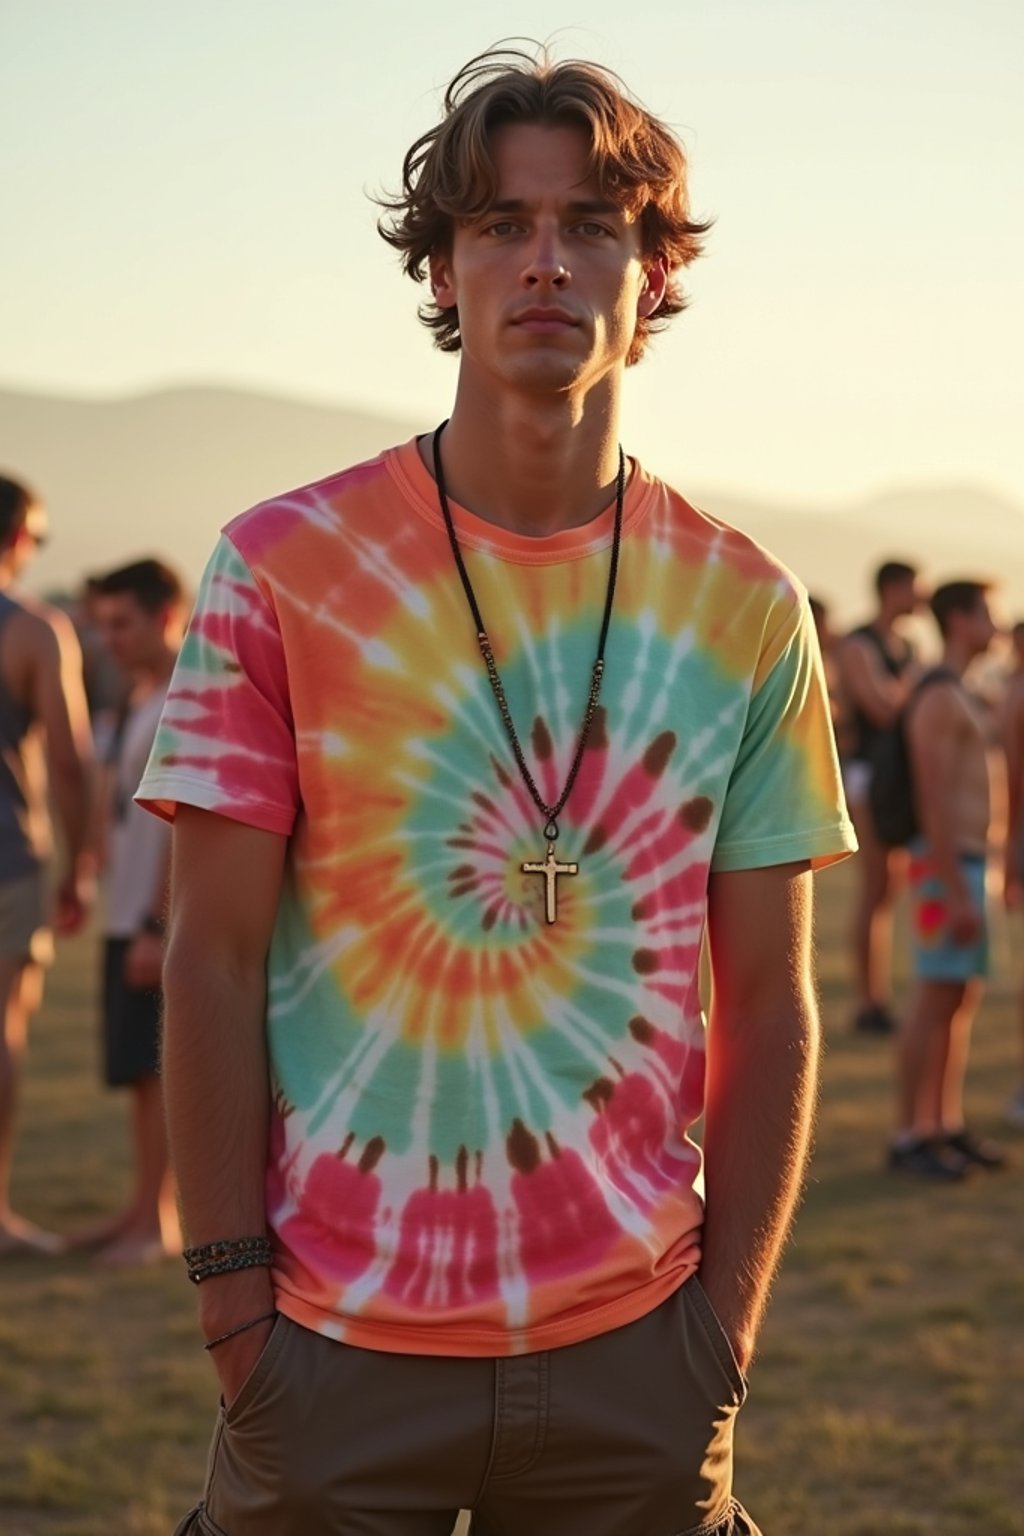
pixel 546 263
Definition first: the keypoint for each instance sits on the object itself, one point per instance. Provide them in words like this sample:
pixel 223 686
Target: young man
pixel 829 645
pixel 947 882
pixel 1013 873
pixel 140 610
pixel 466 745
pixel 45 752
pixel 877 671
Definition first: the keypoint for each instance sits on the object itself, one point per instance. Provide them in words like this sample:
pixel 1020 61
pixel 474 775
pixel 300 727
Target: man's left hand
pixel 143 963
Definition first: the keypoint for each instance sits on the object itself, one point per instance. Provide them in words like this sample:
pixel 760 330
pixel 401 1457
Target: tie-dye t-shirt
pixel 479 1129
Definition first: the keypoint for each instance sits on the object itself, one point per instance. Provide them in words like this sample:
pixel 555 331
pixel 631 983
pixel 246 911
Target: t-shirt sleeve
pixel 784 801
pixel 226 741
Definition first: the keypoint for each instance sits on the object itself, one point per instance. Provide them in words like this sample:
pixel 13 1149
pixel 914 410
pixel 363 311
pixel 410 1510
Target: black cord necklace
pixel 549 867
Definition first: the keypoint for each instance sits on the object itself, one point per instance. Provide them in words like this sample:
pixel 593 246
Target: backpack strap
pixel 928 680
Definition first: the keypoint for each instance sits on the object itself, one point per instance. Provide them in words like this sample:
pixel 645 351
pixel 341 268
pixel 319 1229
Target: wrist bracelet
pixel 242 1328
pixel 226 1255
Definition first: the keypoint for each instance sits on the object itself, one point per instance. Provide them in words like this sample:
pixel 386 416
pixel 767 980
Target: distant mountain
pixel 159 473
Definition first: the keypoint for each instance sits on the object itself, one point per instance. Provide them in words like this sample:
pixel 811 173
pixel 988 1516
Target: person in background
pixel 140 612
pixel 947 866
pixel 828 645
pixel 1013 867
pixel 106 687
pixel 45 753
pixel 877 670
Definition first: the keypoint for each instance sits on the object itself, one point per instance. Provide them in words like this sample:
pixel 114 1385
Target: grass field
pixel 888 1399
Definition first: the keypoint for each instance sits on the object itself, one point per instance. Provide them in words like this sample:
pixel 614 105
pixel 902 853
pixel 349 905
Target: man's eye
pixel 588 227
pixel 500 227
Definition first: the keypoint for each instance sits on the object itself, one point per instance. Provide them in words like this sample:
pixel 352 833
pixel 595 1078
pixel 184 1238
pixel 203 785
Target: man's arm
pixel 58 703
pixel 1013 743
pixel 868 685
pixel 144 957
pixel 763 1044
pixel 225 885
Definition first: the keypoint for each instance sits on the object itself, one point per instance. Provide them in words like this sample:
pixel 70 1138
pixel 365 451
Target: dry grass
pixel 888 1399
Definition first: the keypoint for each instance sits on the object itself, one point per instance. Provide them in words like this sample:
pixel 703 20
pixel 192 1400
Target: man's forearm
pixel 759 1116
pixel 71 786
pixel 217 1103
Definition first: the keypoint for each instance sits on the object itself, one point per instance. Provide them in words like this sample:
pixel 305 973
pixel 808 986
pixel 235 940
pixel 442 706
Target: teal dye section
pixel 458 1116
pixel 386 1100
pixel 311 1028
pixel 200 656
pixel 519 1097
pixel 666 690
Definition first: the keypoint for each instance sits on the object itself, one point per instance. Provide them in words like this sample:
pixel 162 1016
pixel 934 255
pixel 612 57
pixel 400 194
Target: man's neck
pixel 155 674
pixel 956 657
pixel 533 466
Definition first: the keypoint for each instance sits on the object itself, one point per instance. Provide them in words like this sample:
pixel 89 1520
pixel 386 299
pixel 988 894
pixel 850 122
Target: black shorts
pixel 131 1023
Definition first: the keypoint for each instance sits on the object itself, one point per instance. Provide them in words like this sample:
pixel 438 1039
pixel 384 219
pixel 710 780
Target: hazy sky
pixel 184 198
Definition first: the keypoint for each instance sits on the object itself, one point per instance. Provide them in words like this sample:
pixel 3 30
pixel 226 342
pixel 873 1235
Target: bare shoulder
pixel 939 707
pixel 40 630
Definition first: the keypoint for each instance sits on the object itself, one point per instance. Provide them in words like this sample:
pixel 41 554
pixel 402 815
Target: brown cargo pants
pixel 626 1434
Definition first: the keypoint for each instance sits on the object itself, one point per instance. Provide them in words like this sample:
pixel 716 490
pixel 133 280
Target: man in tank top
pixel 949 925
pixel 878 669
pixel 45 751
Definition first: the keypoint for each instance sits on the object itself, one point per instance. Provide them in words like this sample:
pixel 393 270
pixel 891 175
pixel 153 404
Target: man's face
pixel 132 635
pixel 550 281
pixel 31 536
pixel 905 597
pixel 979 627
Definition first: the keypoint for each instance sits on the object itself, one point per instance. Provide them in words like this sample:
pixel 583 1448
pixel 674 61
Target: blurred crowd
pixel 82 685
pixel 936 676
pixel 947 713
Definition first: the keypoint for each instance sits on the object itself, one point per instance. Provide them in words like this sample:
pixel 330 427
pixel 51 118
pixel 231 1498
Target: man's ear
pixel 653 290
pixel 441 280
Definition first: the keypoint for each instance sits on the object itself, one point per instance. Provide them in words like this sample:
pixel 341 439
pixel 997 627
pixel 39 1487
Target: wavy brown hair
pixel 449 175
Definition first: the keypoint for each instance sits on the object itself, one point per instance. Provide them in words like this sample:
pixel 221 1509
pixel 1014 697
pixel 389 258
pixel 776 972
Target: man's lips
pixel 544 319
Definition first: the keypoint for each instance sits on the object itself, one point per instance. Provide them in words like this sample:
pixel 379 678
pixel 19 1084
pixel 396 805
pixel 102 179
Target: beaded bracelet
pixel 226 1255
pixel 242 1328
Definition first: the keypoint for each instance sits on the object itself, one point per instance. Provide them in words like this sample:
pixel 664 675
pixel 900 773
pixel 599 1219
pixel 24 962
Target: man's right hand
pixel 76 893
pixel 235 1358
pixel 963 919
pixel 224 1302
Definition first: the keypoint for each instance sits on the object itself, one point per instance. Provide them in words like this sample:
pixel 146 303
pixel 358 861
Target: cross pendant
pixel 550 869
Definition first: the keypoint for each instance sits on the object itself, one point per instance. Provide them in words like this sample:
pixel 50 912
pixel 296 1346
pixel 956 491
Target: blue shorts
pixel 937 956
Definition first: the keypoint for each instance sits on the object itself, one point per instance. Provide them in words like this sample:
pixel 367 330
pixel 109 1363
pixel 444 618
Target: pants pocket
pixel 251 1387
pixel 717 1338
pixel 198 1523
pixel 735 1522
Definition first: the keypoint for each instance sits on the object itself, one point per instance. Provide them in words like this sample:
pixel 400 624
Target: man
pixel 949 771
pixel 877 671
pixel 828 645
pixel 1013 873
pixel 455 738
pixel 140 611
pixel 44 736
